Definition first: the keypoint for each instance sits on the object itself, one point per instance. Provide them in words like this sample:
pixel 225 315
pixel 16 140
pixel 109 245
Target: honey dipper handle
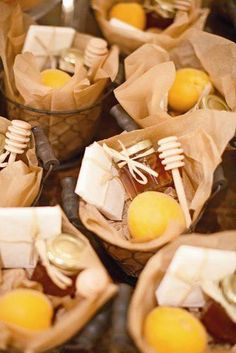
pixel 12 158
pixel 181 195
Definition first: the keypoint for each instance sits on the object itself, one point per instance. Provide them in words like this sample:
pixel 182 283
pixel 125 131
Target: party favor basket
pixel 77 311
pixel 152 276
pixel 205 174
pixel 69 115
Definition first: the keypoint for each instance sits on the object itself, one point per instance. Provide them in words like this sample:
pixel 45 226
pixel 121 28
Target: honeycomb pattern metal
pixel 132 262
pixel 67 133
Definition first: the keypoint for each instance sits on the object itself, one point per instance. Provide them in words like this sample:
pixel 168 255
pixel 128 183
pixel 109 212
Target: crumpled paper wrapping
pixel 76 312
pixel 150 72
pixel 153 274
pixel 78 93
pixel 128 41
pixel 203 138
pixel 20 181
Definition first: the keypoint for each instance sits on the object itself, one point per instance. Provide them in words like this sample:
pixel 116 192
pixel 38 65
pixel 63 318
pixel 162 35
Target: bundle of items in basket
pixel 54 64
pixel 179 85
pixel 144 177
pixel 130 24
pixel 47 269
pixel 55 77
pixel 150 15
pixel 194 294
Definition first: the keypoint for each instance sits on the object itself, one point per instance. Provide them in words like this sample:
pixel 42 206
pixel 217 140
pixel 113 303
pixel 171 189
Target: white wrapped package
pixel 189 267
pixel 19 228
pixel 98 183
pixel 44 41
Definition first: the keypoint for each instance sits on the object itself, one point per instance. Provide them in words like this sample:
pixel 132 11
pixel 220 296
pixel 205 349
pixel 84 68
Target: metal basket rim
pixel 59 112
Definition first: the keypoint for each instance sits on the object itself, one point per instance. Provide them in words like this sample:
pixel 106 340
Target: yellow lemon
pixel 174 330
pixel 150 213
pixel 26 308
pixel 131 13
pixel 54 78
pixel 187 88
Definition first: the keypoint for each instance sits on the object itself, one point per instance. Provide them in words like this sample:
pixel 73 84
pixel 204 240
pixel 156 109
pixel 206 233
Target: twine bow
pixel 136 168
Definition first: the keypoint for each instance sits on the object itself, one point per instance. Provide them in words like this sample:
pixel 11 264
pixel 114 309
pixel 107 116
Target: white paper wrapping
pixel 191 266
pixel 98 183
pixel 19 227
pixel 54 39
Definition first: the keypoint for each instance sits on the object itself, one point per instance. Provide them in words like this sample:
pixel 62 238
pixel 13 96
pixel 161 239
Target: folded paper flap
pixel 153 273
pixel 13 27
pixel 150 81
pixel 200 164
pixel 138 59
pixel 94 221
pixel 25 224
pixel 77 311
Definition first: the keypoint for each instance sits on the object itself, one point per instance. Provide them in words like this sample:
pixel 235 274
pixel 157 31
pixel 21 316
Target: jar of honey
pixel 144 153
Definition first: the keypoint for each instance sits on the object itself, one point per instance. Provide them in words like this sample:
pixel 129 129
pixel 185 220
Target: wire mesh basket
pixel 68 132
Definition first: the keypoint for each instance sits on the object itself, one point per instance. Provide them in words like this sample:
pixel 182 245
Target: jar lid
pixel 64 251
pixel 212 101
pixel 142 145
pixel 2 142
pixel 72 55
pixel 228 285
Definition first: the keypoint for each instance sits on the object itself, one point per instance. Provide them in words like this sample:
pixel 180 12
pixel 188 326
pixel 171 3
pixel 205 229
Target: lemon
pixel 54 78
pixel 131 13
pixel 187 88
pixel 26 308
pixel 174 330
pixel 150 213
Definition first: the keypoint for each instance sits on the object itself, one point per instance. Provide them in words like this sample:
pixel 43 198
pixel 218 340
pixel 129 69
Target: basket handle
pixel 123 119
pixel 44 150
pixel 87 339
pixel 120 339
pixel 70 201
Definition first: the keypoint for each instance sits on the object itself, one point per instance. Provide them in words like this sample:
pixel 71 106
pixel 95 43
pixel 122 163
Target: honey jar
pixel 64 252
pixel 228 285
pixel 69 58
pixel 143 153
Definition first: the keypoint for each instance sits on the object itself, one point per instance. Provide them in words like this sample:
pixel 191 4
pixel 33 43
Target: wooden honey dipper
pixel 183 5
pixel 95 51
pixel 17 139
pixel 172 157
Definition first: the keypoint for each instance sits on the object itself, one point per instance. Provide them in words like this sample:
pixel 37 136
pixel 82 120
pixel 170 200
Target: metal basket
pixel 68 132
